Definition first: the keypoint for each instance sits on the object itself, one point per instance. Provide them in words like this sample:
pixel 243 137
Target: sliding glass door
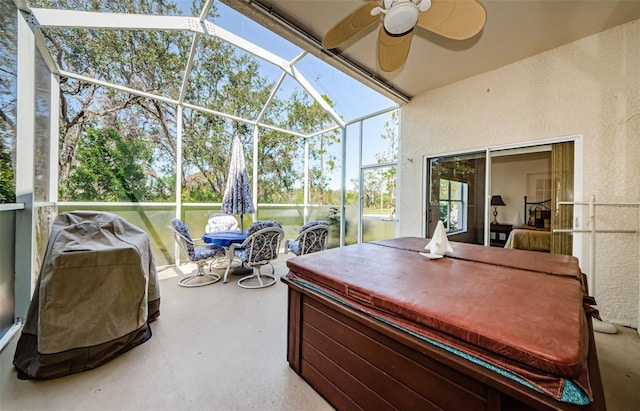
pixel 521 177
pixel 456 196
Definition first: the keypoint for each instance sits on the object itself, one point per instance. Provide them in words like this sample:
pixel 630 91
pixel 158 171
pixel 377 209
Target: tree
pixel 381 182
pixel 109 168
pixel 7 101
pixel 223 79
pixel 312 116
pixel 7 178
pixel 278 180
pixel 146 60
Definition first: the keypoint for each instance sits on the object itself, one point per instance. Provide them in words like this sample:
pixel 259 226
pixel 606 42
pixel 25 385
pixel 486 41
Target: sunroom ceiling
pixel 515 29
pixel 282 72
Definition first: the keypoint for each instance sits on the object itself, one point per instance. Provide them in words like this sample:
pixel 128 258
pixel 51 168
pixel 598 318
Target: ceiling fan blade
pixel 454 19
pixel 350 25
pixel 393 50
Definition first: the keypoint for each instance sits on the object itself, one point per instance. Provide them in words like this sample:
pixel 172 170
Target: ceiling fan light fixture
pixel 424 5
pixel 452 19
pixel 401 18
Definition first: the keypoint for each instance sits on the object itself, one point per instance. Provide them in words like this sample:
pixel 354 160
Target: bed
pixel 538 214
pixel 535 234
pixel 379 326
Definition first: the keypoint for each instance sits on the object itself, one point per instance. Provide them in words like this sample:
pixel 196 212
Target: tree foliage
pixel 8 100
pixel 223 79
pixel 380 183
pixel 7 178
pixel 109 168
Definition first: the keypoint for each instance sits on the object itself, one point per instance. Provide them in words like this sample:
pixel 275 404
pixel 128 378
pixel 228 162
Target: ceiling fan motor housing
pixel 401 17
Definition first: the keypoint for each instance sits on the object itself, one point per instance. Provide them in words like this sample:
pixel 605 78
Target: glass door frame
pixel 577 139
pixel 470 230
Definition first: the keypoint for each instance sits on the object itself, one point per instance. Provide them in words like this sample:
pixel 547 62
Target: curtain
pixel 562 190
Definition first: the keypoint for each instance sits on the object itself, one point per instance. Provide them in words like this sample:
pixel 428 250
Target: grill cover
pixel 95 295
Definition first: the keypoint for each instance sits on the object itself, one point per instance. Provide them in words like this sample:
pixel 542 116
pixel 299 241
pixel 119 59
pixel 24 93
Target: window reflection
pixel 8 89
pixel 42 130
pixel 456 196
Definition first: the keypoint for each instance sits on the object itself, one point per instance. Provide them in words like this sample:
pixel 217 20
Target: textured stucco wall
pixel 589 88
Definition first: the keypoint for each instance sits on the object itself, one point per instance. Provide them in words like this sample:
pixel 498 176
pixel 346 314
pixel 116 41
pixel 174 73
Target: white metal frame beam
pixel 295 73
pixel 118 87
pixel 110 21
pixel 118 21
pixel 25 260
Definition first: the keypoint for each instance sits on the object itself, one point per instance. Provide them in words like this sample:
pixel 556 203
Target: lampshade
pixel 497 201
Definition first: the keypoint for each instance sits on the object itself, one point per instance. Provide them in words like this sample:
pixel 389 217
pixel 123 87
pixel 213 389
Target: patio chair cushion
pixel 201 253
pixel 183 230
pixel 196 253
pixel 264 253
pixel 312 243
pixel 259 225
pixel 221 222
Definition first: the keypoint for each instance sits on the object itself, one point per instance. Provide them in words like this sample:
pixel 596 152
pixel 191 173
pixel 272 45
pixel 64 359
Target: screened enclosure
pixel 131 108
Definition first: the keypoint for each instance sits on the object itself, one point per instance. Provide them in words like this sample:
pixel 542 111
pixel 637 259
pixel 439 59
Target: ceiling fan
pixel 454 19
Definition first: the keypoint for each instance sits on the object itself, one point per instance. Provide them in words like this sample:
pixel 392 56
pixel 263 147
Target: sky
pixel 351 98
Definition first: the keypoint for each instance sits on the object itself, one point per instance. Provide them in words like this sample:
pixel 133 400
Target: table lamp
pixel 495 202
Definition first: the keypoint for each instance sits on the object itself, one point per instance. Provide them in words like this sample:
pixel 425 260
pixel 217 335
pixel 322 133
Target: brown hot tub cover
pixel 510 308
pixel 95 295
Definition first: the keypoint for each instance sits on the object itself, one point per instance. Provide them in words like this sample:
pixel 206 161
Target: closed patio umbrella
pixel 237 194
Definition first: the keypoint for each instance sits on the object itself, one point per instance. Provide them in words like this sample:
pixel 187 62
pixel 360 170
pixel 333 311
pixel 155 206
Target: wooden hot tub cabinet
pixel 356 362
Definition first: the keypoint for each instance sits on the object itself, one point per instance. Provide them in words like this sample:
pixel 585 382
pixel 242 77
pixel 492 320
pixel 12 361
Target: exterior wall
pixel 589 88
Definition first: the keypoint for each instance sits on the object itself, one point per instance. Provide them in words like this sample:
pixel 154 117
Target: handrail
pixel 626 204
pixel 11 206
pixel 602 327
pixel 572 230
